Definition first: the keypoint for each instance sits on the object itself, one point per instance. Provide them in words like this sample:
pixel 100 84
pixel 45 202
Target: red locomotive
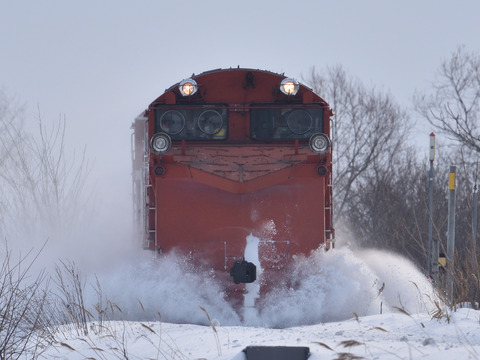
pixel 232 169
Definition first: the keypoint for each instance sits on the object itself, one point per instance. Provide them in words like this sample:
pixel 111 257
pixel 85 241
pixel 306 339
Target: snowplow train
pixel 232 170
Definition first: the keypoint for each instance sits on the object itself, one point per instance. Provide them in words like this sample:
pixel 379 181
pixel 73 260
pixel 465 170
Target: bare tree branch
pixel 454 107
pixel 41 185
pixel 368 130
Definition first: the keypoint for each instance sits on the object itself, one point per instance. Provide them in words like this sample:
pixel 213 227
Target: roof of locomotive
pixel 217 72
pixel 237 69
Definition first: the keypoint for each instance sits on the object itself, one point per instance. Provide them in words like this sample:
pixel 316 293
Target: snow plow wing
pixel 277 352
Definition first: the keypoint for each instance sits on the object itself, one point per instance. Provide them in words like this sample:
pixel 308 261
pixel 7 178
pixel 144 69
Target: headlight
pixel 289 86
pixel 160 143
pixel 319 143
pixel 188 87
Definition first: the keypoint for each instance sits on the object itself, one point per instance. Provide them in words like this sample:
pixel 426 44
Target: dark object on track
pixel 277 352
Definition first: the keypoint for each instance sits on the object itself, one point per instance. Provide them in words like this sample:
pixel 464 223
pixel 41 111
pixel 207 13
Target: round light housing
pixel 188 87
pixel 159 171
pixel 160 143
pixel 319 143
pixel 321 170
pixel 210 122
pixel 289 86
pixel 299 121
pixel 172 122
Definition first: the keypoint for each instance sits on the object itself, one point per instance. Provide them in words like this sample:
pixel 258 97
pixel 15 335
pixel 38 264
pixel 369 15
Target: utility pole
pixel 451 233
pixel 433 249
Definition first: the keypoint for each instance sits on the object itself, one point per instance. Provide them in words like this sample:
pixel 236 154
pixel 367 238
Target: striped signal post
pixel 475 285
pixel 451 233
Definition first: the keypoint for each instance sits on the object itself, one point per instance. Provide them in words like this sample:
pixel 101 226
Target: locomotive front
pixel 232 169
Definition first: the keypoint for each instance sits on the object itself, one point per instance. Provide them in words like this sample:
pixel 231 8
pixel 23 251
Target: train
pixel 232 171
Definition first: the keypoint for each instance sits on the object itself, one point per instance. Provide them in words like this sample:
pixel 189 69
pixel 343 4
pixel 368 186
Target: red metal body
pixel 204 196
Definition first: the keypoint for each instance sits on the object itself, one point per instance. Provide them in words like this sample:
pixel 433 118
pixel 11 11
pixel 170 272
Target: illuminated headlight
pixel 160 143
pixel 319 143
pixel 188 87
pixel 289 86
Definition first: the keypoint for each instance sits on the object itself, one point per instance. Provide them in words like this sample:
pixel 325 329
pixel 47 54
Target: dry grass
pixel 215 332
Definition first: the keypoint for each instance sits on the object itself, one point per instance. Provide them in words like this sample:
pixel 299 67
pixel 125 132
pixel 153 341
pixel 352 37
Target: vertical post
pixel 474 224
pixel 432 261
pixel 475 285
pixel 451 233
pixel 475 215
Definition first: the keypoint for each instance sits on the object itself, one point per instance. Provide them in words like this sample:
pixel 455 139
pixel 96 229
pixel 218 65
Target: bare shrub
pixel 466 279
pixel 22 304
pixel 70 296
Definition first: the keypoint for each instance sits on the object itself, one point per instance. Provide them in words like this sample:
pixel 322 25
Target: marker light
pixel 188 87
pixel 160 143
pixel 159 171
pixel 289 86
pixel 319 143
pixel 321 170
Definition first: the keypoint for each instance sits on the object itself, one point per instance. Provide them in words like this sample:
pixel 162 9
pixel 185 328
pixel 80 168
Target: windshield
pixel 194 123
pixel 272 121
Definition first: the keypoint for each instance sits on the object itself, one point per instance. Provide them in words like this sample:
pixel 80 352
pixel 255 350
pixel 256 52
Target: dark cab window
pixel 276 122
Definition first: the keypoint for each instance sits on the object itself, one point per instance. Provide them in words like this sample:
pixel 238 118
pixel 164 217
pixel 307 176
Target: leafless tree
pixel 10 115
pixel 41 185
pixel 381 184
pixel 368 130
pixel 454 107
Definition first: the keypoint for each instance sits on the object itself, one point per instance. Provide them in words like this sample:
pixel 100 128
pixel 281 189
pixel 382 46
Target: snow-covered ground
pixel 346 305
pixel 387 336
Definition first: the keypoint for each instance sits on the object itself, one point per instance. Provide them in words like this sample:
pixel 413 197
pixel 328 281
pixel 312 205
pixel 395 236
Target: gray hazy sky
pixel 99 63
